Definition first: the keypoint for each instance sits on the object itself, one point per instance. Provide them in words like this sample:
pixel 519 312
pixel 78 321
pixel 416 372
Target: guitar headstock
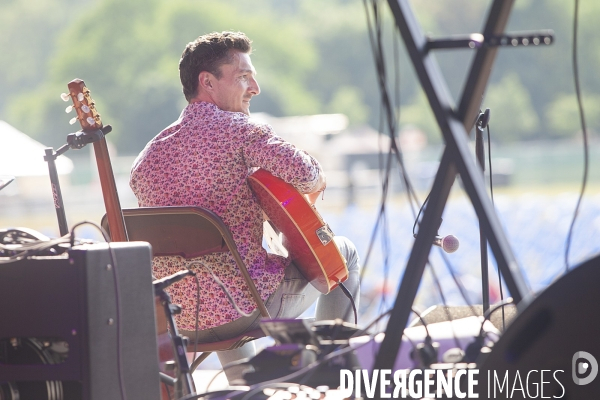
pixel 83 104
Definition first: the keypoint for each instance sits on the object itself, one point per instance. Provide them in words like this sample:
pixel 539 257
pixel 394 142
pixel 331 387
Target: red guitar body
pixel 306 236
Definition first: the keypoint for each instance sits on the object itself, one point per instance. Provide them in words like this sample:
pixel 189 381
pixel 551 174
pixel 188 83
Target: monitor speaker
pixel 552 347
pixel 79 325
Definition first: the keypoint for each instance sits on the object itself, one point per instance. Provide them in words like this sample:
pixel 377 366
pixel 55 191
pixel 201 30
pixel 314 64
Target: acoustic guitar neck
pixel 90 121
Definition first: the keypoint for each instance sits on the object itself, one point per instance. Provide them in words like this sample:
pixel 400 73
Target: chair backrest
pixel 186 231
pixel 176 231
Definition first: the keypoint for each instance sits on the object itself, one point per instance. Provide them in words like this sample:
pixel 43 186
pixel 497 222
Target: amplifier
pixel 79 325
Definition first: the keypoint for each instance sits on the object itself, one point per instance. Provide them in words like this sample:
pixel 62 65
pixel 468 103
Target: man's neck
pixel 203 97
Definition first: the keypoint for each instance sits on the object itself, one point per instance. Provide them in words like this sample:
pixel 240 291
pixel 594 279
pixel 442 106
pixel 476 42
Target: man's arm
pixel 266 150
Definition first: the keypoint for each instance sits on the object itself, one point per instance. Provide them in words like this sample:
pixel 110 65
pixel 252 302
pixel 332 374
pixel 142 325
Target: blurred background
pixel 319 90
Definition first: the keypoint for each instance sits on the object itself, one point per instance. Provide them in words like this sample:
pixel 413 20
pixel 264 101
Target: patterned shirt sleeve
pixel 266 150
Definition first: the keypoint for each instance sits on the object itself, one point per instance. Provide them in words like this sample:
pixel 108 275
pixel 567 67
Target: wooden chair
pixel 188 232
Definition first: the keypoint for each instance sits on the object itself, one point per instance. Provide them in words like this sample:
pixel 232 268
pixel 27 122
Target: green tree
pixel 348 100
pixel 131 65
pixel 512 114
pixel 420 115
pixel 28 31
pixel 563 115
pixel 313 56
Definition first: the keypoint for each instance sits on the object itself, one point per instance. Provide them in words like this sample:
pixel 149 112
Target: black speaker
pixel 79 325
pixel 553 344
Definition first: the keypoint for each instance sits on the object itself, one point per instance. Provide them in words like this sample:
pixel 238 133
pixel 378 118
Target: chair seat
pixel 231 344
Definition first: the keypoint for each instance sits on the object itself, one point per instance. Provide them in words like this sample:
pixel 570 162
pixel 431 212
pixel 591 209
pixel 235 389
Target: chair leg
pixel 199 360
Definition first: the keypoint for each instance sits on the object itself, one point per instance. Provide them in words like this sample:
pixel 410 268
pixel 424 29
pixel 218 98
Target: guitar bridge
pixel 325 234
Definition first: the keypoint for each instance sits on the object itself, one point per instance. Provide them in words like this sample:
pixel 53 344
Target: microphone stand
pixel 75 140
pixel 480 125
pixel 183 381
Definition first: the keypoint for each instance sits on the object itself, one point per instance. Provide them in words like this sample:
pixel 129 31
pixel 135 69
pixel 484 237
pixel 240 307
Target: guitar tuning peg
pixel 69 109
pixel 91 121
pixel 65 96
pixel 80 97
pixel 85 109
pixel 73 120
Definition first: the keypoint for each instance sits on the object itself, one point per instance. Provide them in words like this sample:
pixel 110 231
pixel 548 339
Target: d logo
pixel 582 363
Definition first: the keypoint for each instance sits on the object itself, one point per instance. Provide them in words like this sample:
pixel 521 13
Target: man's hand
pixel 312 197
pixel 321 184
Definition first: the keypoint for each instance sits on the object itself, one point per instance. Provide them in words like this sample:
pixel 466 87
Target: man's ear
pixel 205 81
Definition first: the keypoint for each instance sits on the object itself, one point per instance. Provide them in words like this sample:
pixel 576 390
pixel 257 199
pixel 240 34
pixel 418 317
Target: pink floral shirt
pixel 203 159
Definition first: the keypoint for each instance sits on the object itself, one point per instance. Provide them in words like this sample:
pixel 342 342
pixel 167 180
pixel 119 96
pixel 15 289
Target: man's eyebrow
pixel 244 71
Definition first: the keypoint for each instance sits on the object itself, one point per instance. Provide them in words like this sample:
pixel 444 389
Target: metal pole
pixel 456 158
pixel 485 280
pixel 50 158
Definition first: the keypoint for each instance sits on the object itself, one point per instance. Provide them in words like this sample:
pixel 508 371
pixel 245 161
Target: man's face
pixel 237 84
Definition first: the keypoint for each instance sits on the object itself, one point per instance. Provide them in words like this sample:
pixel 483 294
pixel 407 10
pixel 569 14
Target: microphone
pixel 483 120
pixel 448 243
pixel 167 281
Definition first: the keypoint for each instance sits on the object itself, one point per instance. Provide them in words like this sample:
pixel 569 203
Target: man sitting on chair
pixel 203 159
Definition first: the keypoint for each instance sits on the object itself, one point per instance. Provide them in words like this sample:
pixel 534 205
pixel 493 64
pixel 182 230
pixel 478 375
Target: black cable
pixel 385 245
pixel 396 46
pixel 492 197
pixel 376 320
pixel 227 293
pixel 385 248
pixel 113 260
pixel 388 115
pixel 473 350
pixel 296 374
pixel 490 164
pixel 418 314
pixel 414 230
pixel 311 367
pixel 337 329
pixel 449 266
pixel 443 298
pixel 30 249
pixel 584 134
pixel 390 118
pixel 349 296
pixel 489 312
pixel 457 282
pixel 197 327
pixel 377 58
pixel 447 262
pixel 215 377
pixel 385 175
pixel 378 53
pixel 222 286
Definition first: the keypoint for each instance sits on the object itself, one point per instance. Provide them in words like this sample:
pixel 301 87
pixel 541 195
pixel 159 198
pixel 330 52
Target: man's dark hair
pixel 208 53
